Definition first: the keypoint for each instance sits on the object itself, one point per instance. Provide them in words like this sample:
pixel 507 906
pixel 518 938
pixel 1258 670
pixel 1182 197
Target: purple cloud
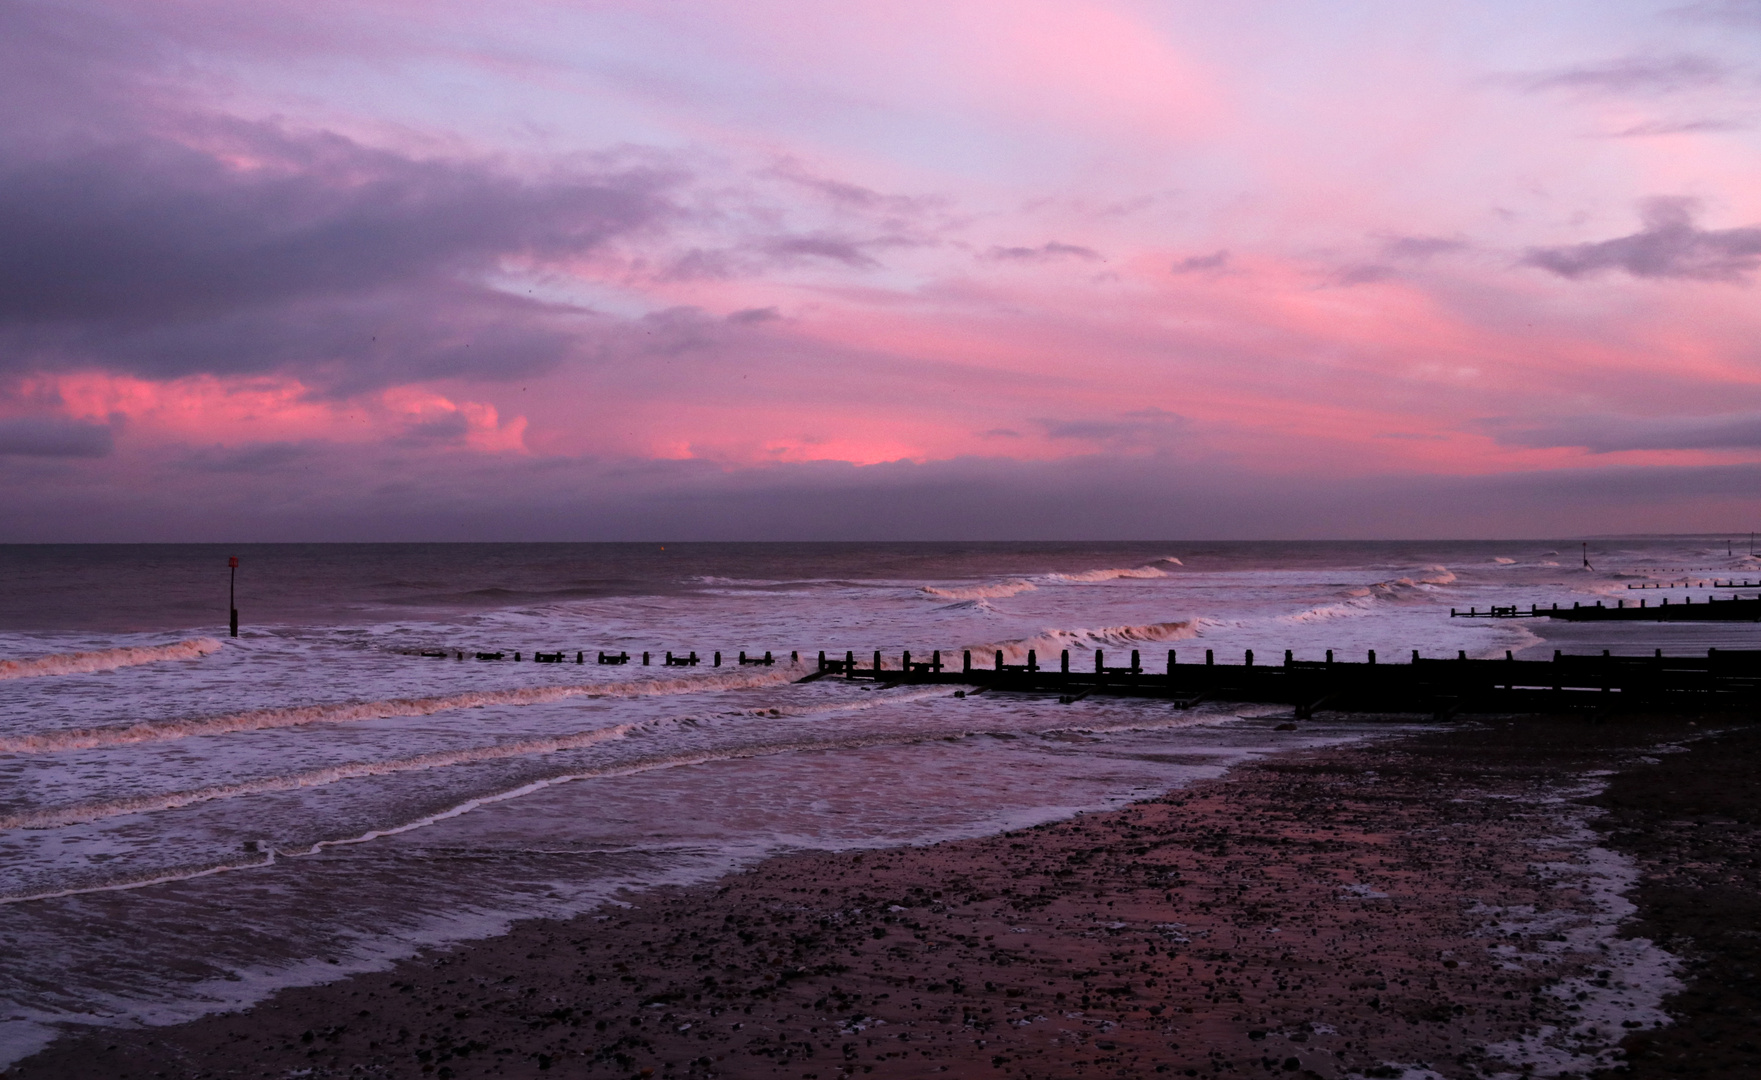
pixel 54 437
pixel 1050 250
pixel 1669 246
pixel 1195 264
pixel 1609 434
pixel 1637 75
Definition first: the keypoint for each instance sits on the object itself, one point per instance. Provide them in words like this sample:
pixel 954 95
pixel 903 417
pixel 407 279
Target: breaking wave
pixel 1049 643
pixel 69 815
pixel 1363 600
pixel 981 592
pixel 57 817
pixel 1087 577
pixel 81 663
pixel 295 716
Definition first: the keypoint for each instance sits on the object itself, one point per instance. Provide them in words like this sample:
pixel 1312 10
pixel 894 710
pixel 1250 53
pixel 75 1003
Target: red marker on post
pixel 232 592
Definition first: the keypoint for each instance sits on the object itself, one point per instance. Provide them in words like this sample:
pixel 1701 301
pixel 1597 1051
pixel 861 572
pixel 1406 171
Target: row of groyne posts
pixel 690 659
pixel 1720 680
pixel 1712 609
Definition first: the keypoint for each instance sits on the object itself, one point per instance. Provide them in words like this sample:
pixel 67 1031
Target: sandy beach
pixel 1444 902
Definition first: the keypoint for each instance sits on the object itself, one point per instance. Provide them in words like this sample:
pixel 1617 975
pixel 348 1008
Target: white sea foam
pixel 80 663
pixel 1110 574
pixel 981 592
pixel 1156 721
pixel 343 712
pixel 1051 641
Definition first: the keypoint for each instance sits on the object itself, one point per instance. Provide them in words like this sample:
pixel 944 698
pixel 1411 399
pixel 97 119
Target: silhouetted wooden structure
pixel 1712 609
pixel 1720 680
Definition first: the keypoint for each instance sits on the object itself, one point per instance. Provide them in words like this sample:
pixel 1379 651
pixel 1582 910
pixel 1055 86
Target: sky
pixel 783 269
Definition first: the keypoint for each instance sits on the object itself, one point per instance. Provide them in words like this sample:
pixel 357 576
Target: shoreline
pixel 1325 912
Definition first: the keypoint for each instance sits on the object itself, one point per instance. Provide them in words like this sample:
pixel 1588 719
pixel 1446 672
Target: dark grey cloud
pixel 325 256
pixel 32 436
pixel 252 458
pixel 1668 246
pixel 1609 434
pixel 1196 264
pixel 1050 250
pixel 1636 75
pixel 331 492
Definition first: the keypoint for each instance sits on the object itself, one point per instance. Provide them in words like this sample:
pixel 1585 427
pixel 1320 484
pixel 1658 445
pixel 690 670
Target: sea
pixel 190 821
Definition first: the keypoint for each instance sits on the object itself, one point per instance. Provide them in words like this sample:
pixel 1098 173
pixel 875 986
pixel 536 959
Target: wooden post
pixel 966 662
pixel 1249 658
pixel 1032 661
pixel 849 665
pixel 877 663
pixel 905 663
pixel 1287 657
pixel 1098 664
pixel 1136 666
pixel 718 658
pixel 1064 661
pixel 999 665
pixel 1170 661
pixel 821 660
pixel 232 591
pixel 644 659
pixel 767 657
pixel 1372 656
pixel 1415 656
pixel 1329 657
pixel 935 661
pixel 1210 658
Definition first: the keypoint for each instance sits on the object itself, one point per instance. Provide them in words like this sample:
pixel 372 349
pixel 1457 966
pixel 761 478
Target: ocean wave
pixel 980 592
pixel 1048 643
pixel 1089 577
pixel 1363 600
pixel 81 663
pixel 70 815
pixel 57 817
pixel 344 712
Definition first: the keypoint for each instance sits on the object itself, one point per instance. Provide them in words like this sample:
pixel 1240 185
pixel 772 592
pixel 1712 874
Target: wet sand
pixel 1435 901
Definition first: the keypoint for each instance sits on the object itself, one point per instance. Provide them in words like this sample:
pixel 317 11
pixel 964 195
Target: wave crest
pixel 297 715
pixel 81 663
pixel 1049 643
pixel 1087 577
pixel 981 592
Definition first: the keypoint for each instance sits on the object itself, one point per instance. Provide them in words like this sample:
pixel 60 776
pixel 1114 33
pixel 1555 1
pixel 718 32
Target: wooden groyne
pixel 690 659
pixel 1712 609
pixel 1720 680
